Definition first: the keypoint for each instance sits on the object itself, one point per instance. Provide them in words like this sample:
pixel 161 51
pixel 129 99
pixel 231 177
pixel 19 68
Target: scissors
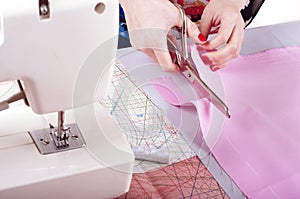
pixel 182 58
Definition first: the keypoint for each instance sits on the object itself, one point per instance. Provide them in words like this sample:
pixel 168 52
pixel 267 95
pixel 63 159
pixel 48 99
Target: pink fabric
pixel 174 96
pixel 259 146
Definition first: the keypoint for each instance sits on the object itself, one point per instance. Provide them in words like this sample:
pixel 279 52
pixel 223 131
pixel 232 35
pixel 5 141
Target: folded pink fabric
pixel 259 147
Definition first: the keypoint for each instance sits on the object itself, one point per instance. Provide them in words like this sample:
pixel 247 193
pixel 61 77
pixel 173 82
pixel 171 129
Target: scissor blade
pixel 189 70
pixel 204 90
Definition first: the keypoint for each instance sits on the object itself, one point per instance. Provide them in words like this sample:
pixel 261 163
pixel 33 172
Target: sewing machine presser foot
pixel 62 138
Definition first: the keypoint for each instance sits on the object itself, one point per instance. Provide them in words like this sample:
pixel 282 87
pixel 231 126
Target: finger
pixel 149 52
pixel 222 36
pixel 230 51
pixel 206 24
pixel 193 31
pixel 164 59
pixel 191 28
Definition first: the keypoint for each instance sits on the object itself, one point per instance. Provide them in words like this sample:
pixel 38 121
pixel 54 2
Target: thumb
pixel 164 60
pixel 193 31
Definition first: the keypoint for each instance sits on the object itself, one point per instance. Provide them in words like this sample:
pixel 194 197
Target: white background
pixel 277 11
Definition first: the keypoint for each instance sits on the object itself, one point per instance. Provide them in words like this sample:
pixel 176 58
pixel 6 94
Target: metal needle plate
pixel 45 140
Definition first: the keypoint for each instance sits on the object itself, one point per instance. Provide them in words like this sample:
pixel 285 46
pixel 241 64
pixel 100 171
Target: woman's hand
pixel 149 23
pixel 224 18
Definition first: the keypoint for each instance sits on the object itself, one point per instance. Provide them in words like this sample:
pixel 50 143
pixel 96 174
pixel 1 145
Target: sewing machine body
pixel 48 53
pixel 79 173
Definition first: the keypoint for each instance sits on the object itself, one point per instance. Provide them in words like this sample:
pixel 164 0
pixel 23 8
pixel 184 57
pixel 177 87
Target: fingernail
pixel 201 37
pixel 205 59
pixel 215 68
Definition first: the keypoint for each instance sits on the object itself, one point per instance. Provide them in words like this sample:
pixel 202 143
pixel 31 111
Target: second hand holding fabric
pixel 181 56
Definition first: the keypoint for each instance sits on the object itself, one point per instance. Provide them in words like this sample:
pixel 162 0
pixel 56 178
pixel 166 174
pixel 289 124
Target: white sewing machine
pixel 63 52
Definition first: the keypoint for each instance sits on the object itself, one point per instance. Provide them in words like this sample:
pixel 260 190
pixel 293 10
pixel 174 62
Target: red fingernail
pixel 214 69
pixel 205 59
pixel 201 37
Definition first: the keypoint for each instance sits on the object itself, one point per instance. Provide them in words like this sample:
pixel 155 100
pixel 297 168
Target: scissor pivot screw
pixel 44 10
